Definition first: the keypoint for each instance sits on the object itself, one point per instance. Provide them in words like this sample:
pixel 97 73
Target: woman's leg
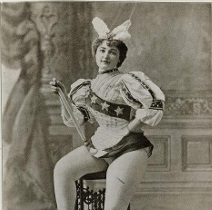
pixel 69 169
pixel 123 178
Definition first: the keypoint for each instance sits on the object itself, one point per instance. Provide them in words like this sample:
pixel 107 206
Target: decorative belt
pixel 108 108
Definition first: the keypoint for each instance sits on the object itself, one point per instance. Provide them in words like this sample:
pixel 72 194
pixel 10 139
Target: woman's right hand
pixel 57 85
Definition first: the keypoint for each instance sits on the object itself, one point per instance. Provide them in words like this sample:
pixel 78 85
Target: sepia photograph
pixel 106 105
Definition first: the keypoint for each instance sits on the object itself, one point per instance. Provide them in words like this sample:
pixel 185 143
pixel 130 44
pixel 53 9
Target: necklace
pixel 108 71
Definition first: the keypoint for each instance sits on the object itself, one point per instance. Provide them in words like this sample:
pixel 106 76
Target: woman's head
pixel 109 53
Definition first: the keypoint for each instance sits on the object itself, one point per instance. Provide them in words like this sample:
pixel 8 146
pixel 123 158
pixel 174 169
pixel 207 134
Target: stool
pixel 86 197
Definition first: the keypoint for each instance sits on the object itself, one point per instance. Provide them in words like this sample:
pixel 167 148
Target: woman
pixel 121 104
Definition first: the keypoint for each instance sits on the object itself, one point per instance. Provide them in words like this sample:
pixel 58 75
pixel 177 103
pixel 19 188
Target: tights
pixel 123 177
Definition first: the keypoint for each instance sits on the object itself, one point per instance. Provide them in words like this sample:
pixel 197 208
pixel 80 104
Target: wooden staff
pixel 70 111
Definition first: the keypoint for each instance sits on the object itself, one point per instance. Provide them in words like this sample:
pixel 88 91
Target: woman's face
pixel 107 57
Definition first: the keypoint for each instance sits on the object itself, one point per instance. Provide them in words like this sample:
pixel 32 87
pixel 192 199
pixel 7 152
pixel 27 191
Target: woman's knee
pixel 59 169
pixel 64 171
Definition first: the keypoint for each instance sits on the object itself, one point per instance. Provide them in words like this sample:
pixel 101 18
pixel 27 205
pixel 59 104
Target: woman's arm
pixel 145 97
pixel 135 126
pixel 57 87
pixel 80 113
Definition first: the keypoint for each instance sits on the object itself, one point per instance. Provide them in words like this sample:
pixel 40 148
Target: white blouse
pixel 134 89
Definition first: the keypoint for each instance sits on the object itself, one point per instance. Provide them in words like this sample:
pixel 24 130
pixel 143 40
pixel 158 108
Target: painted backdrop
pixel 171 43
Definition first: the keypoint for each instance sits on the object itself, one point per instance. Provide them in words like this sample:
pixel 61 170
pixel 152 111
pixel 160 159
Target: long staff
pixel 70 111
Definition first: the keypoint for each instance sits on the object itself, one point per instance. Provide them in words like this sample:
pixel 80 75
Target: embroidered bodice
pixel 113 99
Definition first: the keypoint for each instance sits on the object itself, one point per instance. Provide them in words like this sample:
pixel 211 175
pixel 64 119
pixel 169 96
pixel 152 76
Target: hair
pixel 116 43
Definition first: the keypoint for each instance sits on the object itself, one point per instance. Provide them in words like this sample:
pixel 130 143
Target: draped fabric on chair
pixel 28 171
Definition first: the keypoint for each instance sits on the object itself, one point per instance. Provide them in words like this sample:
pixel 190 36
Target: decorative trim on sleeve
pixel 143 84
pixel 157 105
pixel 85 113
pixel 129 96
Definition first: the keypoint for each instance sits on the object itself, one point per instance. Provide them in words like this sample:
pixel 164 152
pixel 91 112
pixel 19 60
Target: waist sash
pixel 108 108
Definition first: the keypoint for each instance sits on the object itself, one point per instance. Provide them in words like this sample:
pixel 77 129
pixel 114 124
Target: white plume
pixel 100 26
pixel 121 31
pixel 123 27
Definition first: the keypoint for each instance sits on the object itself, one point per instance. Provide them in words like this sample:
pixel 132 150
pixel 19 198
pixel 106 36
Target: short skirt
pixel 130 142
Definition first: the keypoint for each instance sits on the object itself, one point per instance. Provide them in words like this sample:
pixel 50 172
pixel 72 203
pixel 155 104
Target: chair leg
pixel 96 200
pixel 79 204
pixel 77 195
pixel 81 195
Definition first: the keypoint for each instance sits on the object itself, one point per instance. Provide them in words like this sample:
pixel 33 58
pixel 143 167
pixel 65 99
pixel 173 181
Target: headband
pixel 119 33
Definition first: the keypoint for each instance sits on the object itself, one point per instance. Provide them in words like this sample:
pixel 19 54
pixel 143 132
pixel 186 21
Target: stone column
pixel 65 48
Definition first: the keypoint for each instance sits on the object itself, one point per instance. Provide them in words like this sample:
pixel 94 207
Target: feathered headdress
pixel 119 33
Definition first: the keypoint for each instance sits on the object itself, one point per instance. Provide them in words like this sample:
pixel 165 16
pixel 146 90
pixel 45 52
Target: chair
pixel 88 198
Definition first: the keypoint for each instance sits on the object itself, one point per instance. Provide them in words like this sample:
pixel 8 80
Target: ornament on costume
pixel 119 111
pixel 105 106
pixel 119 33
pixel 93 99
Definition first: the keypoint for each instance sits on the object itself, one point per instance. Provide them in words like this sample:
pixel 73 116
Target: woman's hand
pixel 57 85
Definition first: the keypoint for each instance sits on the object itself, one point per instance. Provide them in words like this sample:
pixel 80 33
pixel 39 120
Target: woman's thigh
pixel 78 163
pixel 123 178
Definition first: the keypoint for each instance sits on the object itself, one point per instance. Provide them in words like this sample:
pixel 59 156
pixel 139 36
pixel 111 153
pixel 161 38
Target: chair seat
pixel 95 176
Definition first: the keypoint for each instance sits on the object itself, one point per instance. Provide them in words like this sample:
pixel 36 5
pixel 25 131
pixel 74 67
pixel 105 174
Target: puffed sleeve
pixel 78 94
pixel 144 96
